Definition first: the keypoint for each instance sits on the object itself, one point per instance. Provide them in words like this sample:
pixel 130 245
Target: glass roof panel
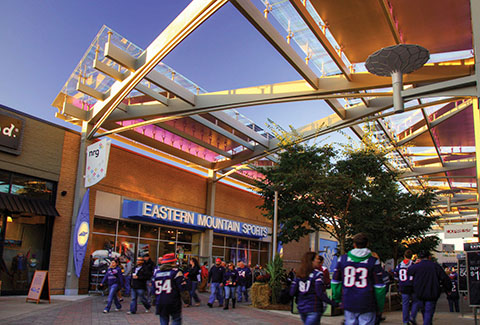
pixel 292 23
pixel 404 121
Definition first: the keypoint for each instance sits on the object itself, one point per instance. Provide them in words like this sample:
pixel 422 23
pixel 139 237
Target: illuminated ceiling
pixel 127 93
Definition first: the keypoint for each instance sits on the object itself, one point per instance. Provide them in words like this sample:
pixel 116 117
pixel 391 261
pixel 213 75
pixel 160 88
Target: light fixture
pixel 395 61
pixel 9 219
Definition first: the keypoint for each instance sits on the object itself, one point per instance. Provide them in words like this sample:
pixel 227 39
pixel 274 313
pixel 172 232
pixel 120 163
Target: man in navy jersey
pixel 357 282
pixel 429 279
pixel 405 284
pixel 169 283
pixel 244 274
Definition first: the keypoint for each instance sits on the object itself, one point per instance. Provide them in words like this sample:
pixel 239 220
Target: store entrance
pixel 24 248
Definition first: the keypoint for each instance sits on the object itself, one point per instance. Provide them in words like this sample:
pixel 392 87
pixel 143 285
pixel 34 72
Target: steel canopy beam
pixel 419 171
pixel 322 38
pixel 255 17
pixel 185 23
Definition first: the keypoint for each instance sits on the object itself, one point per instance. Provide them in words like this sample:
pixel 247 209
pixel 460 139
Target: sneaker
pixel 130 313
pixel 117 309
pixel 105 311
pixel 121 299
pixel 147 310
pixel 210 305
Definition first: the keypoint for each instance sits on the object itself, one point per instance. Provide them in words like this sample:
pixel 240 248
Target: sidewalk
pixel 86 310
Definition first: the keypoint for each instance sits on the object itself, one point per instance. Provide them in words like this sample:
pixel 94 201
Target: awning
pixel 22 204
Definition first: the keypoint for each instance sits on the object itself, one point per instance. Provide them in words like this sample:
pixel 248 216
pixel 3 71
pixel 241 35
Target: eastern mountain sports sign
pixel 458 231
pixel 163 214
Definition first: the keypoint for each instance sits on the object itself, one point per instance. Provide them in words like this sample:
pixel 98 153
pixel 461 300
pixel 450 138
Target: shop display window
pixel 148 246
pixel 105 226
pixel 264 246
pixel 254 258
pixel 148 231
pixel 126 246
pixel 254 244
pixel 218 251
pixel 263 258
pixel 184 236
pixel 218 240
pixel 128 229
pixel 4 181
pixel 168 234
pixel 23 250
pixel 31 187
pixel 166 248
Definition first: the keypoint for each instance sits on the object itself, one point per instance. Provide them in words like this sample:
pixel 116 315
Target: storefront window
pixel 148 231
pixel 263 258
pixel 4 181
pixel 128 229
pixel 31 187
pixel 184 236
pixel 168 234
pixel 254 244
pixel 254 258
pixel 150 247
pixel 166 248
pixel 126 247
pixel 23 251
pixel 218 252
pixel 218 240
pixel 105 226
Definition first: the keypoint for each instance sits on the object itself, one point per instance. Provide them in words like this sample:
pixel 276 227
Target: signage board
pixel 40 287
pixel 81 233
pixel 328 249
pixel 11 133
pixel 473 277
pixel 458 231
pixel 163 214
pixel 448 248
pixel 462 275
pixel 97 162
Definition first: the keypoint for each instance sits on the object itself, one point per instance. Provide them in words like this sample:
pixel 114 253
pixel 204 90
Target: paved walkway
pixel 85 310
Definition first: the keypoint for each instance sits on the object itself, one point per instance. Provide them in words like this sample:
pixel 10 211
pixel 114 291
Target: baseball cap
pixel 169 258
pixel 218 260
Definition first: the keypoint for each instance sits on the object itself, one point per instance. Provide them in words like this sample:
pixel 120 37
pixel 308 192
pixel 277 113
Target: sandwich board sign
pixel 40 287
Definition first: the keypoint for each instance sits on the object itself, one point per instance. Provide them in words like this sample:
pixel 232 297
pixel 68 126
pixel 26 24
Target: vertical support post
pixel 275 226
pixel 397 85
pixel 206 239
pixel 475 12
pixel 71 281
pixel 476 127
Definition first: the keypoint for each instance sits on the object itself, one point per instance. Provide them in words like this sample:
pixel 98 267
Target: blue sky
pixel 43 41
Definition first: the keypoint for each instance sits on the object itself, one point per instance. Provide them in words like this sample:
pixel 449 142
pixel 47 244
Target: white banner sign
pixel 97 162
pixel 458 231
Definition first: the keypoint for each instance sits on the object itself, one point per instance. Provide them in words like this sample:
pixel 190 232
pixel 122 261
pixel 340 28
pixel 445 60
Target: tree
pixel 342 193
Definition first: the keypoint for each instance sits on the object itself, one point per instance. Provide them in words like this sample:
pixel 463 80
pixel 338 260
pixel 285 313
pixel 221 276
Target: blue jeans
pixel 138 293
pixel 128 288
pixel 428 309
pixel 311 318
pixel 193 293
pixel 406 298
pixel 352 318
pixel 242 291
pixel 176 319
pixel 215 292
pixel 112 297
pixel 229 292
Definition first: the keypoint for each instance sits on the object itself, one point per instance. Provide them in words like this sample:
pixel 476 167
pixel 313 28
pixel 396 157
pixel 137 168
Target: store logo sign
pixel 11 133
pixel 82 234
pixel 164 214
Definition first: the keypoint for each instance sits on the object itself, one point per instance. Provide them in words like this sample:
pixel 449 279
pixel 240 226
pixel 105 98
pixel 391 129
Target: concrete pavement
pixel 85 310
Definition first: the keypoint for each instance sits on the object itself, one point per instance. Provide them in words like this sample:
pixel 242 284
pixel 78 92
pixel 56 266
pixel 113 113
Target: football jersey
pixel 310 293
pixel 243 275
pixel 401 274
pixel 168 285
pixel 360 283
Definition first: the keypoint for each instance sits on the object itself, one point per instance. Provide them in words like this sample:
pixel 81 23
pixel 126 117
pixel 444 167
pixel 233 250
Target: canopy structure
pixel 125 92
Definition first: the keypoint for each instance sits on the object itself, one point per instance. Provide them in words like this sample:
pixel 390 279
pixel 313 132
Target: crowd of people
pixel 358 285
pixel 169 285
